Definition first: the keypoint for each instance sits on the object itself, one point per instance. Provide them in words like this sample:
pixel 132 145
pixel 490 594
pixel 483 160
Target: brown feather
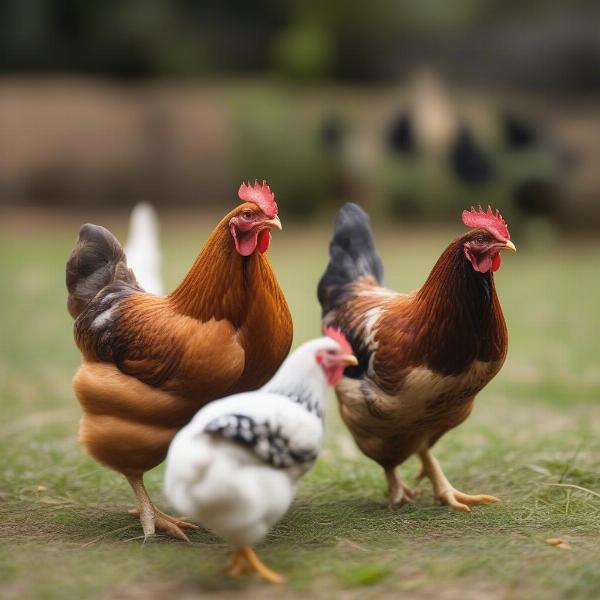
pixel 446 325
pixel 428 353
pixel 150 363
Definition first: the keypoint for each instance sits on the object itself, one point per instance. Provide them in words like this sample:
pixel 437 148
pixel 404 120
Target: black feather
pixel 269 443
pixel 352 255
pixel 96 261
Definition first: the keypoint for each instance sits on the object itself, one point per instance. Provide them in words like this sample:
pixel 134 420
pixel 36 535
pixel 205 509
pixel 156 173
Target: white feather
pixel 102 318
pixel 143 248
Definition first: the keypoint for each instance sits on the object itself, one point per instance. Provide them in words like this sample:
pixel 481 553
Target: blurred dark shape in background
pixel 517 131
pixel 468 159
pixel 537 198
pixel 341 182
pixel 332 132
pixel 538 194
pixel 106 104
pixel 401 137
pixel 441 157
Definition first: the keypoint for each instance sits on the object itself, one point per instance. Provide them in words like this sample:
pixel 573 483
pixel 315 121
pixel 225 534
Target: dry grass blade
pixel 574 487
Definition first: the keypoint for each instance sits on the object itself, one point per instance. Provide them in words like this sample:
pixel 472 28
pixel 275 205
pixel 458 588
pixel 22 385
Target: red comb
pixel 494 223
pixel 336 334
pixel 261 195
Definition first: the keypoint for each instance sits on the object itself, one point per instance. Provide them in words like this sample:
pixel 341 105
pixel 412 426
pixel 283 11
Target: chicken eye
pixel 247 214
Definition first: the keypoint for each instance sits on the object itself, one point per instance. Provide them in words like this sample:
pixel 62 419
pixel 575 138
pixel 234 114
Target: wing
pixel 358 316
pixel 284 438
pixel 385 329
pixel 145 338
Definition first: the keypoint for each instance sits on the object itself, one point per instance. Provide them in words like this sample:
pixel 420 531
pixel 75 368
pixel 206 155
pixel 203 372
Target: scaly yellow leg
pixel 443 489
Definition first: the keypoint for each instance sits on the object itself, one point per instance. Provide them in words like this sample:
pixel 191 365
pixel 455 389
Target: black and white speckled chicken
pixel 234 468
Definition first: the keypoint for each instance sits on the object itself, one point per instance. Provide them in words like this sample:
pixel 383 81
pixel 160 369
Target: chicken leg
pixel 443 489
pixel 399 493
pixel 236 566
pixel 153 519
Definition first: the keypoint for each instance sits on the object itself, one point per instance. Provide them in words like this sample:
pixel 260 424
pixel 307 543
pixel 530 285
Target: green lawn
pixel 533 440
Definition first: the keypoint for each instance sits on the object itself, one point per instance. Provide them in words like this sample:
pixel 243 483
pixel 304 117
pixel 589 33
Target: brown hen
pixel 150 362
pixel 423 356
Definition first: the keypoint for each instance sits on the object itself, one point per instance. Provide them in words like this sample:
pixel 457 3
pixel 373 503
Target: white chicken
pixel 234 467
pixel 143 248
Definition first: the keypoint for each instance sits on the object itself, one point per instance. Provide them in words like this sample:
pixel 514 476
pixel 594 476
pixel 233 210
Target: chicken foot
pixel 399 493
pixel 253 563
pixel 153 519
pixel 161 516
pixel 444 490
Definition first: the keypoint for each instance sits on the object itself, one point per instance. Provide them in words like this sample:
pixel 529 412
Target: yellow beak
pixel 273 223
pixel 509 246
pixel 349 360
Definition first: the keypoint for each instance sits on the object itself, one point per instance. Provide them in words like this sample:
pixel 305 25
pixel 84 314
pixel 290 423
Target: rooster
pixel 235 466
pixel 423 356
pixel 150 362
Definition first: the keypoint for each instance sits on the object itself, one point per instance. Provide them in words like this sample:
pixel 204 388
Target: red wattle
pixel 334 374
pixel 496 262
pixel 264 239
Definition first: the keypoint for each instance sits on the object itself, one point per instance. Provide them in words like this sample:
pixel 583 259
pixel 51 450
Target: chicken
pixel 236 465
pixel 423 356
pixel 143 248
pixel 150 362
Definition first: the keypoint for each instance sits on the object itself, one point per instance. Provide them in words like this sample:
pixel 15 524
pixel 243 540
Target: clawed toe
pixel 443 489
pixel 398 493
pixel 170 528
pixel 403 496
pixel 410 493
pixel 245 559
pixel 167 525
pixel 461 502
pixel 177 521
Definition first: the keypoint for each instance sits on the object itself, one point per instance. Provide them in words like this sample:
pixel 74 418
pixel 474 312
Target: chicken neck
pixel 459 314
pixel 220 281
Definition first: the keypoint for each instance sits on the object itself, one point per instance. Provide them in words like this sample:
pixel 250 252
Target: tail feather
pixel 143 248
pixel 352 255
pixel 96 261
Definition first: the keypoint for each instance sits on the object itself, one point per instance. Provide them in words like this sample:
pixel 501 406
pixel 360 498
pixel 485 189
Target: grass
pixel 533 440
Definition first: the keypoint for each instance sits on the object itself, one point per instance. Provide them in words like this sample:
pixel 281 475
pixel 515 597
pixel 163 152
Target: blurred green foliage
pixel 302 39
pixel 303 53
pixel 274 142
